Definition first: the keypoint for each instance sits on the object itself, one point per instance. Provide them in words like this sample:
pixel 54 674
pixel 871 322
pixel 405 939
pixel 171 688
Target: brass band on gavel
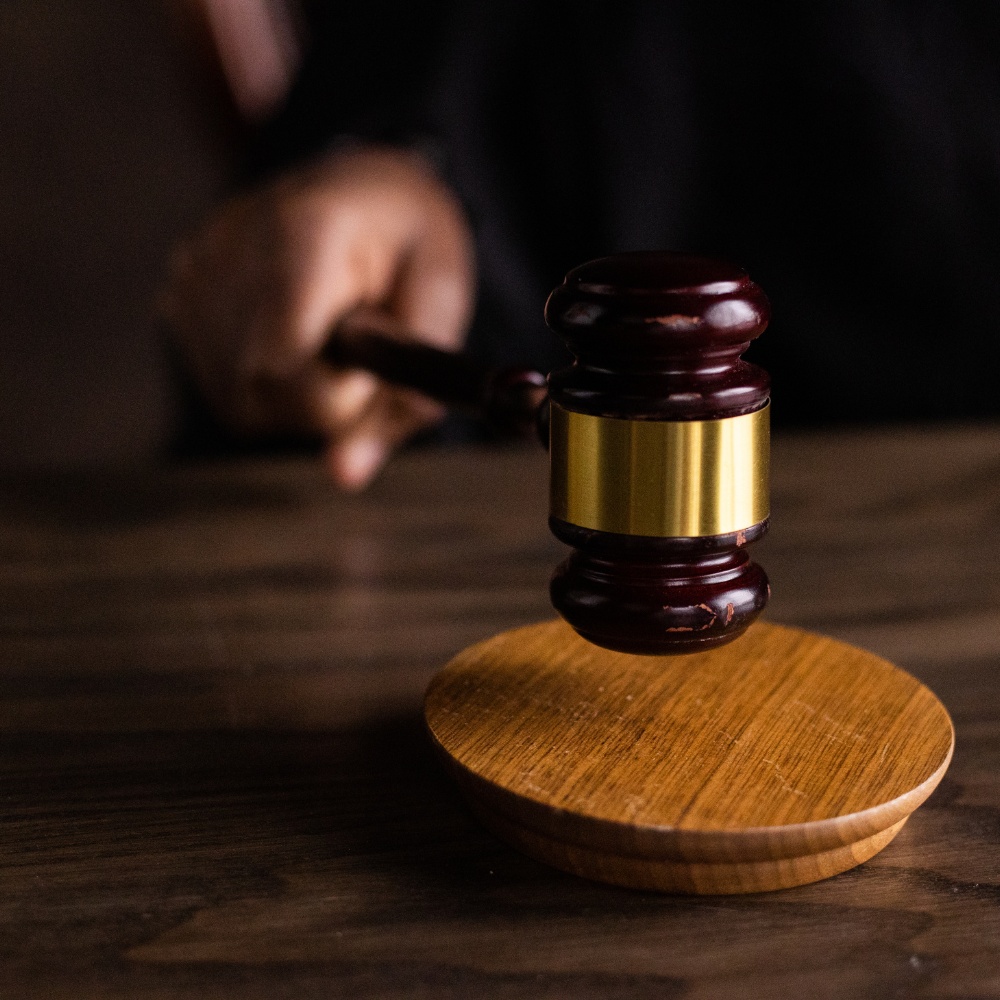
pixel 660 478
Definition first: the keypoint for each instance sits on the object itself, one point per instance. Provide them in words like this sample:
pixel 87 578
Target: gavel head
pixel 659 450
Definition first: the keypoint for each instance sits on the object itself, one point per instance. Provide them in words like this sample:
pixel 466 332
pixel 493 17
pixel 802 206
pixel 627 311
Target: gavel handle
pixel 512 401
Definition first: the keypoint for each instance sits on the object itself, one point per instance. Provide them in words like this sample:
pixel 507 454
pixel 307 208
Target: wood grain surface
pixel 216 782
pixel 776 760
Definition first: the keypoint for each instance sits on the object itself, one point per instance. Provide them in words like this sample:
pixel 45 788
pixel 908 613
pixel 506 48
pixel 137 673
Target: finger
pixel 435 287
pixel 318 400
pixel 335 265
pixel 392 418
pixel 215 286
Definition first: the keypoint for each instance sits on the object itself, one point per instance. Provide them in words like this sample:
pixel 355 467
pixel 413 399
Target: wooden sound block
pixel 780 759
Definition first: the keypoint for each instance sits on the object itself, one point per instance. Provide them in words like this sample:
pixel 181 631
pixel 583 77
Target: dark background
pixel 108 151
pixel 850 158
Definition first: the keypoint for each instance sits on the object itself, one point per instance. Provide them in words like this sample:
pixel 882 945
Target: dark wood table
pixel 215 783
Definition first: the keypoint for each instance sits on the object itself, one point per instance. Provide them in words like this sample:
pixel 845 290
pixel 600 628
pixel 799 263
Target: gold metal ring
pixel 662 478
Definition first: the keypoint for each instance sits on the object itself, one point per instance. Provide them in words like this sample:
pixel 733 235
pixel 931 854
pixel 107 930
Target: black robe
pixel 845 152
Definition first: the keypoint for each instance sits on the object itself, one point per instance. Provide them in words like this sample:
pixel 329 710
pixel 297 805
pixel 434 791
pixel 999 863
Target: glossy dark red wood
pixel 658 595
pixel 658 336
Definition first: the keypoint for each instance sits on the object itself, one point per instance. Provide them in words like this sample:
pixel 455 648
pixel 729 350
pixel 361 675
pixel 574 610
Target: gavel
pixel 658 435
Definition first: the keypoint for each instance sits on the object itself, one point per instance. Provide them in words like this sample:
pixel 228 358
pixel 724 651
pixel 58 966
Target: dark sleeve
pixel 367 74
pixel 846 152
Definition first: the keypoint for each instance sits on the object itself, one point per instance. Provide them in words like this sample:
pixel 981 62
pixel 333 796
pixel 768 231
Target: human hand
pixel 254 294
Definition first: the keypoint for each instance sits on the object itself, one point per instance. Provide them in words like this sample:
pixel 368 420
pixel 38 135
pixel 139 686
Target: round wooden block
pixel 780 759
